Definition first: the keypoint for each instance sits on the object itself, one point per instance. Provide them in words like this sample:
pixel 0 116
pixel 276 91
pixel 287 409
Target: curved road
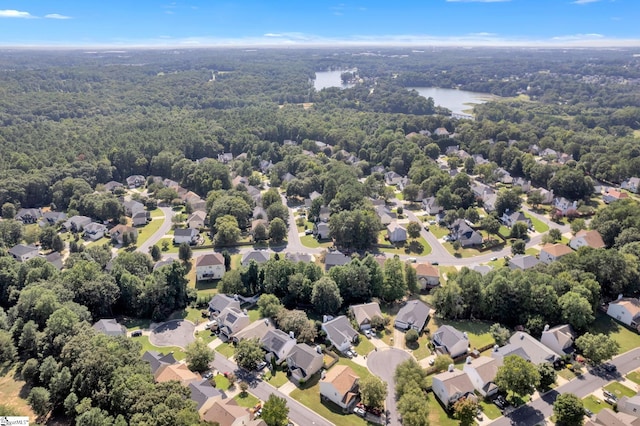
pixel 161 232
pixel 383 364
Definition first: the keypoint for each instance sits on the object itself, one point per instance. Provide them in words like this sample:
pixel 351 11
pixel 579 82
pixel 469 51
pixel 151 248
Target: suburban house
pixel 612 195
pixel 225 157
pixel 210 267
pixel 548 152
pixel 523 262
pixel 563 205
pixel 552 252
pixel 525 346
pixel 55 259
pixel 414 314
pixel 523 184
pixel 451 386
pixel 441 132
pixel 196 219
pixel 431 206
pixel 259 256
pixel 265 166
pixel 227 412
pixel 22 252
pixel 321 230
pixel 608 417
pixel 428 275
pixel 467 236
pixel 76 223
pixel 299 257
pixel 140 218
pixel 230 321
pixel 112 185
pixel 220 302
pixel 94 231
pixel 340 333
pixel 448 340
pixel 511 218
pixel 489 202
pixel 178 372
pixel 335 258
pixel 547 195
pixel 204 395
pixel 392 178
pixel 110 327
pixel 480 190
pixel 135 181
pixel 630 405
pixel 131 207
pixel 278 344
pixel 583 238
pixel 157 360
pixel 340 386
pixel 482 372
pixel 559 338
pixel 384 214
pixel 304 361
pixel 626 310
pixel 631 184
pixel 364 313
pixel 52 218
pixel 28 216
pixel 324 214
pixel 117 233
pixel 396 233
pixel 189 236
pixel 255 330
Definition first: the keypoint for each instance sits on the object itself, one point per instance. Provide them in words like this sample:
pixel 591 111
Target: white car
pixel 359 411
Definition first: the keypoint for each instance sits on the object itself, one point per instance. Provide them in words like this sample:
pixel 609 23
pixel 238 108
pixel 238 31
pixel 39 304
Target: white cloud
pixel 483 34
pixel 9 13
pixel 585 1
pixel 56 16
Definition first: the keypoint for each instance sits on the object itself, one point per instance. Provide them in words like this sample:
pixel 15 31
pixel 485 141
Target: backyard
pixel 478 331
pixel 626 338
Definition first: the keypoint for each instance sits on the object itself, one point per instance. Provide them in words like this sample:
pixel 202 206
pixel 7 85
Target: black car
pixel 500 402
pixel 588 412
pixel 610 368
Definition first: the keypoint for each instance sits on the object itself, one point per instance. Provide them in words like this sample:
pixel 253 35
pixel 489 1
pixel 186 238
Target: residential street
pixel 161 232
pixel 298 413
pixel 536 411
pixel 383 364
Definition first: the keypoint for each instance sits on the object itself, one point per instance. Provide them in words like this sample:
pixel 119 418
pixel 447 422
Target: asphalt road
pixel 161 232
pixel 383 364
pixel 298 413
pixel 535 412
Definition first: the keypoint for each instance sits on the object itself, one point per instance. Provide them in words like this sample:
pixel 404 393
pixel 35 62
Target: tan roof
pixel 179 372
pixel 210 259
pixel 486 367
pixel 617 194
pixel 426 269
pixel 592 238
pixel 556 250
pixel 630 304
pixel 342 377
pixel 455 381
pixel 366 312
pixel 225 413
pixel 610 418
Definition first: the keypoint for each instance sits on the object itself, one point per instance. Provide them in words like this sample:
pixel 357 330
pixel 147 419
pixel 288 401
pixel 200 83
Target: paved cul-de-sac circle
pixel 173 333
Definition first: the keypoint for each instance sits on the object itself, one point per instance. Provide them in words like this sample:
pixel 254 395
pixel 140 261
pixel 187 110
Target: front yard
pixel 620 390
pixel 419 247
pixel 478 331
pixel 178 354
pixel 626 338
pixel 226 349
pixel 595 405
pixel 148 230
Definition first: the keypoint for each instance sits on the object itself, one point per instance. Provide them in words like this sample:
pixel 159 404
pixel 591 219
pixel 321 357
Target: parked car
pixel 136 333
pixel 609 367
pixel 610 401
pixel 608 394
pixel 349 354
pixel 207 375
pixel 500 402
pixel 368 333
pixel 494 258
pixel 435 263
pixel 260 366
pixel 588 412
pixel 412 259
pixel 308 231
pixel 432 361
pixel 359 411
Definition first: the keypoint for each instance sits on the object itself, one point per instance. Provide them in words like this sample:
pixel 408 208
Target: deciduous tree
pixel 518 376
pixel 569 410
pixel 373 391
pixel 597 347
pixel 275 411
pixel 249 353
pixel 198 355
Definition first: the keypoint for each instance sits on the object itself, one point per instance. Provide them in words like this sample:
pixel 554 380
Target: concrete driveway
pixel 173 333
pixel 383 363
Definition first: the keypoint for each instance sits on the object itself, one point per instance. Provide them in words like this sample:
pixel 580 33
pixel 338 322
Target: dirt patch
pixel 13 394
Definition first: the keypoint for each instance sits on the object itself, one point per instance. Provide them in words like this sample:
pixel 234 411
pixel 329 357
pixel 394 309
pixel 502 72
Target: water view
pixel 330 79
pixel 456 100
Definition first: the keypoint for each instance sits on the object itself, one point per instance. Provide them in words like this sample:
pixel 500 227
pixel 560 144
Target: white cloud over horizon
pixel 12 13
pixel 56 16
pixel 585 1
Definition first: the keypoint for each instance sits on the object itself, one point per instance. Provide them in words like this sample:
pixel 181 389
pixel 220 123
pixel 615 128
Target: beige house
pixel 228 413
pixel 626 310
pixel 584 238
pixel 364 314
pixel 428 275
pixel 552 252
pixel 482 372
pixel 210 267
pixel 452 385
pixel 196 220
pixel 340 386
pixel 559 338
pixel 177 372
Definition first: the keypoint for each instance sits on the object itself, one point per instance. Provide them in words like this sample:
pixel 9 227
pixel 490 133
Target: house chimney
pixel 319 349
pixel 291 335
pixel 620 296
pixel 451 368
pixel 546 327
pixel 495 348
pixel 468 360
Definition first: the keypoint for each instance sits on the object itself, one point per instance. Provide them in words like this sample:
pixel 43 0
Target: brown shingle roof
pixel 593 238
pixel 342 377
pixel 556 250
pixel 426 269
pixel 179 372
pixel 210 259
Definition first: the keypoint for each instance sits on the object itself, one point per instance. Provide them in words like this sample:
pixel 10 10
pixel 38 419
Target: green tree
pixel 30 370
pixel 269 305
pixel 325 296
pixel 271 196
pixel 413 229
pixel 500 334
pixel 465 410
pixel 442 363
pixel 597 347
pixel 198 355
pixel 373 391
pixel 534 199
pixel 518 247
pixel 7 349
pixel 248 353
pixel 394 285
pixel 410 192
pixel 548 376
pixel 260 232
pixel 275 411
pixel 490 224
pixel 577 225
pixel 411 337
pixel 519 230
pixel 432 151
pixel 568 410
pixel 166 194
pixel 227 231
pixel 8 210
pixel 576 310
pixel 155 253
pixel 297 321
pixel 184 252
pixel 413 406
pixel 57 244
pixel 518 376
pixel 508 199
pixel 39 401
pixel 411 278
pixel 277 230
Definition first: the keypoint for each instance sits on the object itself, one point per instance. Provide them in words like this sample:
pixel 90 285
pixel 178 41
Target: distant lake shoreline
pixel 453 99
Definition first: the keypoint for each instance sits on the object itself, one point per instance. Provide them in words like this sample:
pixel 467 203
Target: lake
pixel 330 79
pixel 455 100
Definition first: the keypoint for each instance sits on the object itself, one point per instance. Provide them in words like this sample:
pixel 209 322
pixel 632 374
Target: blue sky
pixel 300 22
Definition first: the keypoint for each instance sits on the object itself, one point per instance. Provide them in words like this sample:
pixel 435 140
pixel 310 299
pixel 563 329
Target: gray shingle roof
pixel 110 327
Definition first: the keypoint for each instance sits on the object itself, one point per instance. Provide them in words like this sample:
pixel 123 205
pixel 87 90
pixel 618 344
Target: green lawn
pixel 147 346
pixel 361 371
pixel 171 248
pixel 222 382
pixel 437 415
pixel 532 251
pixel 254 314
pixel 538 225
pixel 311 242
pixel 148 230
pixel 226 349
pixel 418 247
pixel 620 390
pixel 156 213
pixel 626 338
pixel 247 400
pixel 278 380
pixel 594 404
pixel 478 331
pixel 490 410
pixel 634 376
pixel 438 231
pixel 399 196
pixel 206 335
pixel 190 314
pixel 205 288
pixel 364 346
pixel 132 324
pixel 567 374
pixel 422 351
